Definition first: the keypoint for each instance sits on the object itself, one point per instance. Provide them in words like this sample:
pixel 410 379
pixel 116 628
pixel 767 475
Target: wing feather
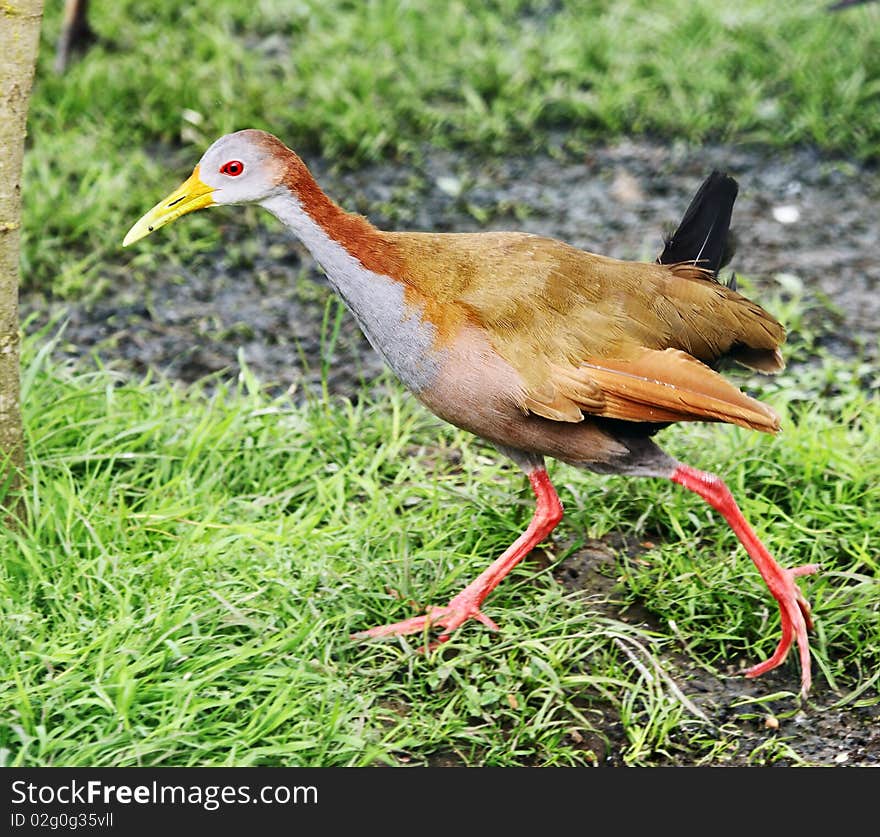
pixel 653 386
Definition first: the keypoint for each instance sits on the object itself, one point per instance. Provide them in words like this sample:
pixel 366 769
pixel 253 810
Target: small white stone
pixel 786 214
pixel 840 758
pixel 192 116
pixel 451 186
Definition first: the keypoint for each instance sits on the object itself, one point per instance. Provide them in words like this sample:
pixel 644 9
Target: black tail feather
pixel 702 236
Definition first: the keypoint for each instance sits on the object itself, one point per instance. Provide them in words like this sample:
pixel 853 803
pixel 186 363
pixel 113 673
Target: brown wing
pixel 586 333
pixel 668 385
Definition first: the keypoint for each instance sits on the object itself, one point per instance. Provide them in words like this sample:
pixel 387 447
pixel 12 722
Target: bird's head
pixel 244 167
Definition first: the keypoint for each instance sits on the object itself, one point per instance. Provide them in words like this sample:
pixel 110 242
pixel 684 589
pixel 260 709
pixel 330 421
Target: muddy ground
pixel 802 221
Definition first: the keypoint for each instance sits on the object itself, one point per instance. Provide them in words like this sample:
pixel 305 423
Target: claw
pixel 794 613
pixel 451 617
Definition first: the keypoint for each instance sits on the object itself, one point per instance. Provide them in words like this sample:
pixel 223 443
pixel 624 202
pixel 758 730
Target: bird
pixel 537 347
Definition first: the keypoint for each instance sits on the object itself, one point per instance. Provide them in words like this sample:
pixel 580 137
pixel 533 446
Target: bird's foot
pixel 795 616
pixel 793 607
pixel 466 605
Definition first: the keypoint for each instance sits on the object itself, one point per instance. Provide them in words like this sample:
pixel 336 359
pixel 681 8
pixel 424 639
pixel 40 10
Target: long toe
pixel 416 625
pixel 450 618
pixel 795 616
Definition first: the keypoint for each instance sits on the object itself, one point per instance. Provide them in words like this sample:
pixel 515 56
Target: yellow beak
pixel 191 195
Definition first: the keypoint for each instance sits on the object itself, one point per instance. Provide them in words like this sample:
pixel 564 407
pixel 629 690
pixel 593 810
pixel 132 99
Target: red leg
pixel 466 605
pixel 793 607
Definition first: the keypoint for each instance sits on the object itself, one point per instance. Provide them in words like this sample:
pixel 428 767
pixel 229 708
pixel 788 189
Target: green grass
pixel 193 564
pixel 354 81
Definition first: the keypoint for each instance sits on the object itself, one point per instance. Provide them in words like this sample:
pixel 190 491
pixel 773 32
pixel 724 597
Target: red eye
pixel 233 168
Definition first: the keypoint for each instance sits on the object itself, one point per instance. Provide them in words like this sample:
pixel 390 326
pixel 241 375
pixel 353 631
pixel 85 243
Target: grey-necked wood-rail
pixel 535 346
